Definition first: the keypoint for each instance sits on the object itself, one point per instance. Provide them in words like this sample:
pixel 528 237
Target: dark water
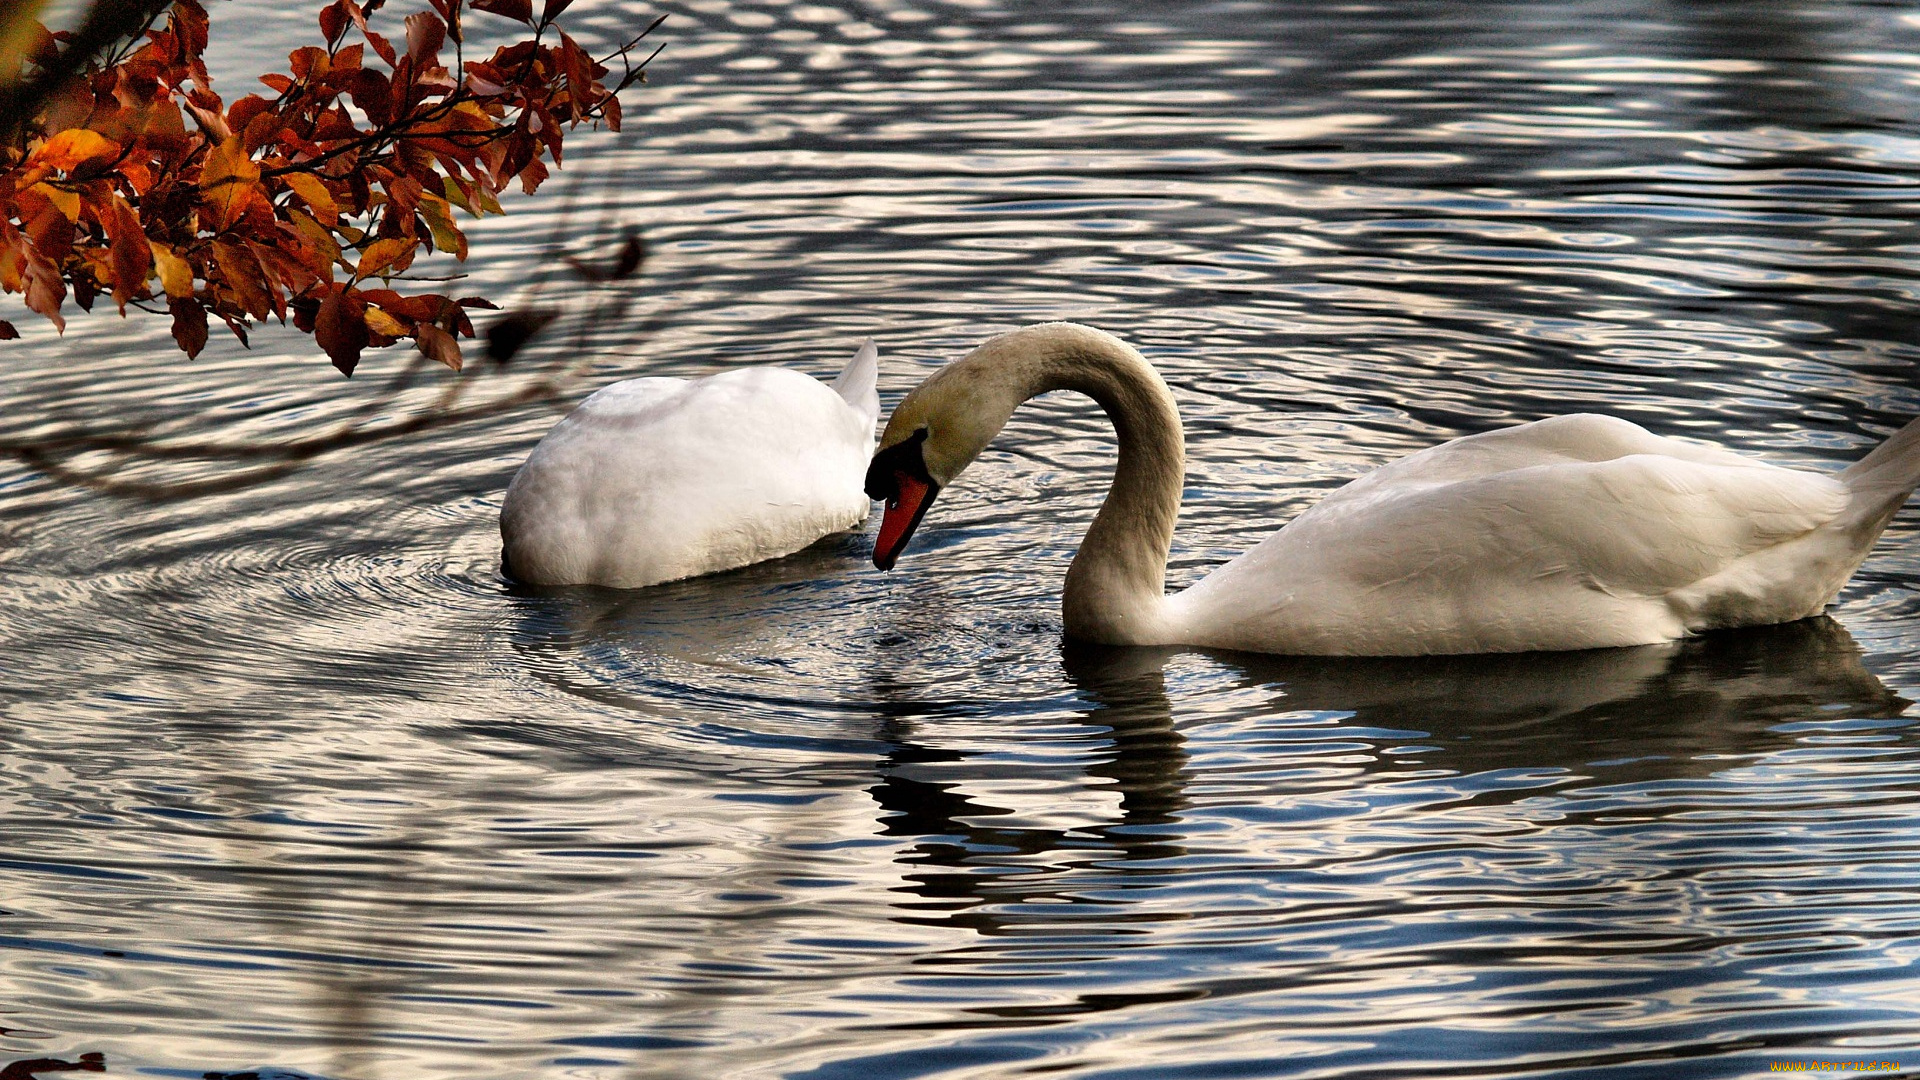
pixel 293 780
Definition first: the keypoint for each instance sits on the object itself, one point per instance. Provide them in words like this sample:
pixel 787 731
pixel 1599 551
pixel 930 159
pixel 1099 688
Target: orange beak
pixel 906 504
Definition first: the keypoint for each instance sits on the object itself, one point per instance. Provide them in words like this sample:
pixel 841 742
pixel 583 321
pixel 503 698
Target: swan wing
pixel 1529 539
pixel 859 383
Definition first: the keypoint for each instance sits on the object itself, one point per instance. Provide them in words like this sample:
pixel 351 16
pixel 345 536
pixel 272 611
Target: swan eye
pixel 903 458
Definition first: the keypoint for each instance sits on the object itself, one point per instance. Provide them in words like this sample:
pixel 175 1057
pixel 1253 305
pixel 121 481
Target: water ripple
pixel 297 781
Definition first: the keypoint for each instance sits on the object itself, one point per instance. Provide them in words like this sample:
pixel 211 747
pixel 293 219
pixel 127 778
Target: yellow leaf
pixel 446 236
pixel 67 201
pixel 314 194
pixel 382 323
pixel 382 254
pixel 316 235
pixel 176 275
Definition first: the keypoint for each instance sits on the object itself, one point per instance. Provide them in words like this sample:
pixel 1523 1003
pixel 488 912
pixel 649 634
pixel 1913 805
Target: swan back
pixel 656 479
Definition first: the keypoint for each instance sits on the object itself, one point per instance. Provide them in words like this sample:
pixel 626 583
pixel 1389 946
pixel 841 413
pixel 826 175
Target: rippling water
pixel 293 780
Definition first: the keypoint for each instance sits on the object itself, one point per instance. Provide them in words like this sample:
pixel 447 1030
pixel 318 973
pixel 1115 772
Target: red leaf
pixel 517 10
pixel 341 328
pixel 381 46
pixel 369 91
pixel 189 325
pixel 553 9
pixel 305 310
pixel 333 21
pixel 425 34
pixel 7 331
pixel 242 112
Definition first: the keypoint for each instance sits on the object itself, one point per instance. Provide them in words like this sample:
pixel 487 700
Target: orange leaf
pixel 381 46
pixel 71 147
pixel 241 273
pixel 229 178
pixel 46 291
pixel 132 254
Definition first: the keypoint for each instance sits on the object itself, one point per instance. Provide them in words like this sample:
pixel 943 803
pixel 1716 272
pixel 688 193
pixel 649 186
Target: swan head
pixel 933 435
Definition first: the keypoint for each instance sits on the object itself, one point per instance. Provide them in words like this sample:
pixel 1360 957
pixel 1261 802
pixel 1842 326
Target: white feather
pixel 656 479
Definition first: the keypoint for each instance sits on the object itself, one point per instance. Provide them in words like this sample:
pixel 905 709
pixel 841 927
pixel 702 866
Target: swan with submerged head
pixel 656 479
pixel 1575 532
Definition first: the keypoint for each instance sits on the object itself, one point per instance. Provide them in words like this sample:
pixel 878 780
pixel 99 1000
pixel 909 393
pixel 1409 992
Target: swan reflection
pixel 1617 716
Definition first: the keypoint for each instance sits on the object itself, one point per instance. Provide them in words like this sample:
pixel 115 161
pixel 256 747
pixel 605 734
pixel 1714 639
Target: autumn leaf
pixel 237 212
pixel 425 34
pixel 380 322
pixel 241 274
pixel 517 10
pixel 314 194
pixel 446 236
pixel 229 179
pixel 341 330
pixel 333 22
pixel 67 201
pixel 7 331
pixel 46 291
pixel 65 151
pixel 132 254
pixel 189 324
pixel 382 254
pixel 176 275
pixel 437 344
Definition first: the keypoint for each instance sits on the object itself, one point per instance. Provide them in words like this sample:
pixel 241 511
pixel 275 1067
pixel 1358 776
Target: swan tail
pixel 859 382
pixel 1880 483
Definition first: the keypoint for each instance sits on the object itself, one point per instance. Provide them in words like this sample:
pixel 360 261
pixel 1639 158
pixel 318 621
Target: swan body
pixel 1575 532
pixel 657 479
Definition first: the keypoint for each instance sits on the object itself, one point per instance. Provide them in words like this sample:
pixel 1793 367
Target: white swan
pixel 656 479
pixel 1571 533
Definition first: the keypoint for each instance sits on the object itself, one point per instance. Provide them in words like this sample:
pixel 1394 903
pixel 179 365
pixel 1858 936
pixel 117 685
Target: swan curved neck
pixel 1115 588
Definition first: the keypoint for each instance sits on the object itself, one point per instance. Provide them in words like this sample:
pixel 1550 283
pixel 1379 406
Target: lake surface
pixel 293 782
